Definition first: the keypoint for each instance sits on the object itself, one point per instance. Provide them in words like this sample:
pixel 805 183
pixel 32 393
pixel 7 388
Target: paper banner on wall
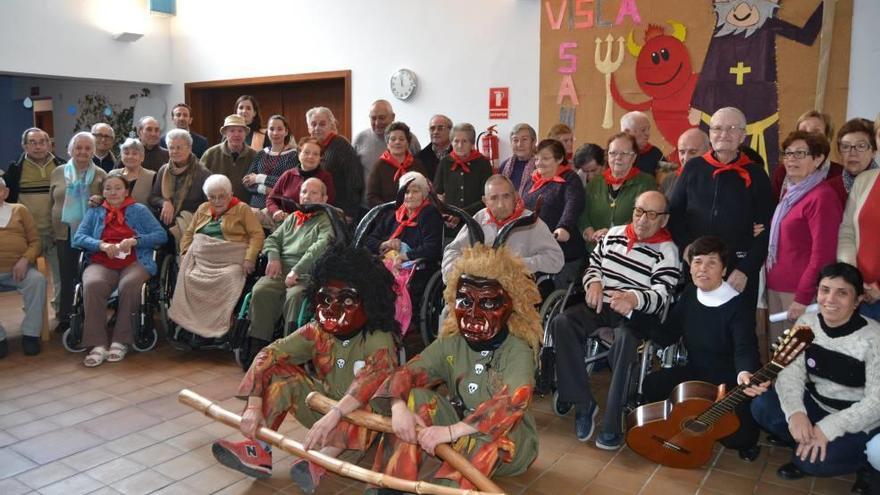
pixel 679 65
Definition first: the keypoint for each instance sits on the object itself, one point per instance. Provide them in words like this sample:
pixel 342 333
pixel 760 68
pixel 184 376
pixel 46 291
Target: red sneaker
pixel 247 456
pixel 307 475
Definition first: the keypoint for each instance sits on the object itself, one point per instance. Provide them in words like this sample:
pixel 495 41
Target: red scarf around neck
pixel 301 217
pixel 661 235
pixel 646 148
pixel 404 220
pixel 611 180
pixel 327 140
pixel 538 182
pixel 737 166
pixel 402 168
pixel 459 162
pixel 232 202
pixel 517 212
pixel 116 215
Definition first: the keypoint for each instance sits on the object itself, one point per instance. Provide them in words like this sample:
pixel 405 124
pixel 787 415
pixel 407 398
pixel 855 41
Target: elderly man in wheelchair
pixel 292 251
pixel 629 286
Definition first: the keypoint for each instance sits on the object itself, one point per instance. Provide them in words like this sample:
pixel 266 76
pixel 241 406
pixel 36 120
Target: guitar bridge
pixel 671 446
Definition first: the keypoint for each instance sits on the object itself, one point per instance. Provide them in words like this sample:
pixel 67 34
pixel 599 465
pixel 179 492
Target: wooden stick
pixel 347 469
pixel 322 404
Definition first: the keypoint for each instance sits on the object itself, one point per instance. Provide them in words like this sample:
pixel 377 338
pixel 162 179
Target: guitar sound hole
pixel 695 426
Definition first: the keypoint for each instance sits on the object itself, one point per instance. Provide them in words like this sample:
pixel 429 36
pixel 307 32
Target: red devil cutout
pixel 663 72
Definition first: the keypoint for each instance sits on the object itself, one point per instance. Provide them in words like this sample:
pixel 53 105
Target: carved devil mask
pixel 339 309
pixel 482 308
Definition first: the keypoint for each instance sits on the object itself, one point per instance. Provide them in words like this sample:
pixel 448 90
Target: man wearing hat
pixel 232 157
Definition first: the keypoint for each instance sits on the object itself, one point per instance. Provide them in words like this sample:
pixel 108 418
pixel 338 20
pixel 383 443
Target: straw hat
pixel 233 121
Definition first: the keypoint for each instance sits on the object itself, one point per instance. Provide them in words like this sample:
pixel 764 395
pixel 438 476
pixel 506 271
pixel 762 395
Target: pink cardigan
pixel 807 242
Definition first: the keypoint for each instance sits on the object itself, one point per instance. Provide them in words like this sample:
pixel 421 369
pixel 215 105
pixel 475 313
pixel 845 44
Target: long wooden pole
pixel 347 469
pixel 322 404
pixel 825 40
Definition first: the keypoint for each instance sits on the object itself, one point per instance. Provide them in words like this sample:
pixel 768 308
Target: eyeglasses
pixel 621 154
pixel 40 142
pixel 652 215
pixel 102 136
pixel 718 129
pixel 438 128
pixel 860 147
pixel 796 154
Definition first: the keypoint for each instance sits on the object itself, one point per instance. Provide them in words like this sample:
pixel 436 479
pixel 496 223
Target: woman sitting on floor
pixel 826 404
pixel 119 235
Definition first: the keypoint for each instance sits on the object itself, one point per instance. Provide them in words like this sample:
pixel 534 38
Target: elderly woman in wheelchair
pixel 218 249
pixel 118 237
pixel 409 238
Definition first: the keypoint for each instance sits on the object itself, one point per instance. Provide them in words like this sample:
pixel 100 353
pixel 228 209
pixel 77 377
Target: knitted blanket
pixel 209 283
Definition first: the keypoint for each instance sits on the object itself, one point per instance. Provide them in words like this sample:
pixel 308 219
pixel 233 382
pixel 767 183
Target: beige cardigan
pixel 848 237
pixel 142 188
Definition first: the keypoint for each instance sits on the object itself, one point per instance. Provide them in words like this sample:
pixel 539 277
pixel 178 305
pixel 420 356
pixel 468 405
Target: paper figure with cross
pixel 739 69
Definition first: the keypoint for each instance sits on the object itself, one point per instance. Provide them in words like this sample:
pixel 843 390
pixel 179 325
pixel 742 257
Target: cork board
pixel 575 39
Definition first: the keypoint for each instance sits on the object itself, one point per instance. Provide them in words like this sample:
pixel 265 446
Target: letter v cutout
pixel 555 23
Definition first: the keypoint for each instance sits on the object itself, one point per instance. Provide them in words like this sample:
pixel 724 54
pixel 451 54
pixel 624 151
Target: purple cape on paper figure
pixel 739 69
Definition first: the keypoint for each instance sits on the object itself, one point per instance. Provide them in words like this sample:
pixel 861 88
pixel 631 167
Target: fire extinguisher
pixel 489 143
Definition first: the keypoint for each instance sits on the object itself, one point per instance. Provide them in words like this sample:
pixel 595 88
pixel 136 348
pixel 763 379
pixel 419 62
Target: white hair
pixel 766 10
pixel 319 181
pixel 178 134
pixel 132 143
pixel 628 121
pixel 732 110
pixel 217 181
pixel 103 124
pixel 326 111
pixel 417 178
pixel 76 137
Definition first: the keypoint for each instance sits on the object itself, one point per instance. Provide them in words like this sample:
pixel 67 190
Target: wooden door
pixel 291 96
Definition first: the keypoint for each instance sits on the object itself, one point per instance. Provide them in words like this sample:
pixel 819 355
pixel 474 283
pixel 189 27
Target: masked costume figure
pixel 485 356
pixel 351 345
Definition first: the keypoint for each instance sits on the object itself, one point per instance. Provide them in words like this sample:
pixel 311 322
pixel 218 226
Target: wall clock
pixel 403 84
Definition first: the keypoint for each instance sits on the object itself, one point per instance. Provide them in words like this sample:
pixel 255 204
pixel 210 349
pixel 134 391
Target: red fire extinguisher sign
pixel 499 103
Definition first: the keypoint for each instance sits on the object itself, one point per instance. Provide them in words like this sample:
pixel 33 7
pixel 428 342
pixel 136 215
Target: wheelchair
pixel 597 347
pixel 146 335
pixel 428 307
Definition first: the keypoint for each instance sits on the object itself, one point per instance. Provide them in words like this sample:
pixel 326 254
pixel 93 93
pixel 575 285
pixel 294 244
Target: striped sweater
pixel 841 372
pixel 650 271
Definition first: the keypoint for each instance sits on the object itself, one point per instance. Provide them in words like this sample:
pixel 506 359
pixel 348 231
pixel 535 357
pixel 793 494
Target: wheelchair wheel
pixel 552 306
pixel 72 340
pixel 561 408
pixel 167 279
pixel 431 308
pixel 146 339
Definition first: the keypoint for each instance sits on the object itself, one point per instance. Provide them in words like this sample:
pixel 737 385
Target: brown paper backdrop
pixel 797 64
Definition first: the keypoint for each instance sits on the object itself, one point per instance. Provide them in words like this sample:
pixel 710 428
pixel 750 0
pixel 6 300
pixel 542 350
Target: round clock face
pixel 403 84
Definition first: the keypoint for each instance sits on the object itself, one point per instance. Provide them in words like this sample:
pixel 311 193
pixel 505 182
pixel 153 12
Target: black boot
pixel 750 454
pixel 30 345
pixel 867 482
pixel 790 472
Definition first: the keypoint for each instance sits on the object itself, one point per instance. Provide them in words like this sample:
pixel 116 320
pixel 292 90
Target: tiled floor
pixel 68 430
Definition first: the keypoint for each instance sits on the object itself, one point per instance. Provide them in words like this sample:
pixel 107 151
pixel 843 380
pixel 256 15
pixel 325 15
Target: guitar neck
pixel 738 395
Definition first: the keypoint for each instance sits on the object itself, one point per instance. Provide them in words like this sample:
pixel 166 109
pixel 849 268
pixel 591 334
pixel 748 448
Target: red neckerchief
pixel 517 212
pixel 661 235
pixel 736 166
pixel 232 202
pixel 327 140
pixel 538 182
pixel 459 162
pixel 611 180
pixel 404 221
pixel 569 157
pixel 116 215
pixel 388 158
pixel 646 148
pixel 301 217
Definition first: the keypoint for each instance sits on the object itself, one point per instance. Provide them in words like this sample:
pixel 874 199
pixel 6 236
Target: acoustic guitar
pixel 680 432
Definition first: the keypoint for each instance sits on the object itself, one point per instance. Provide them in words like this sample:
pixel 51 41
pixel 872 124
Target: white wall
pixel 457 48
pixel 72 38
pixel 864 61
